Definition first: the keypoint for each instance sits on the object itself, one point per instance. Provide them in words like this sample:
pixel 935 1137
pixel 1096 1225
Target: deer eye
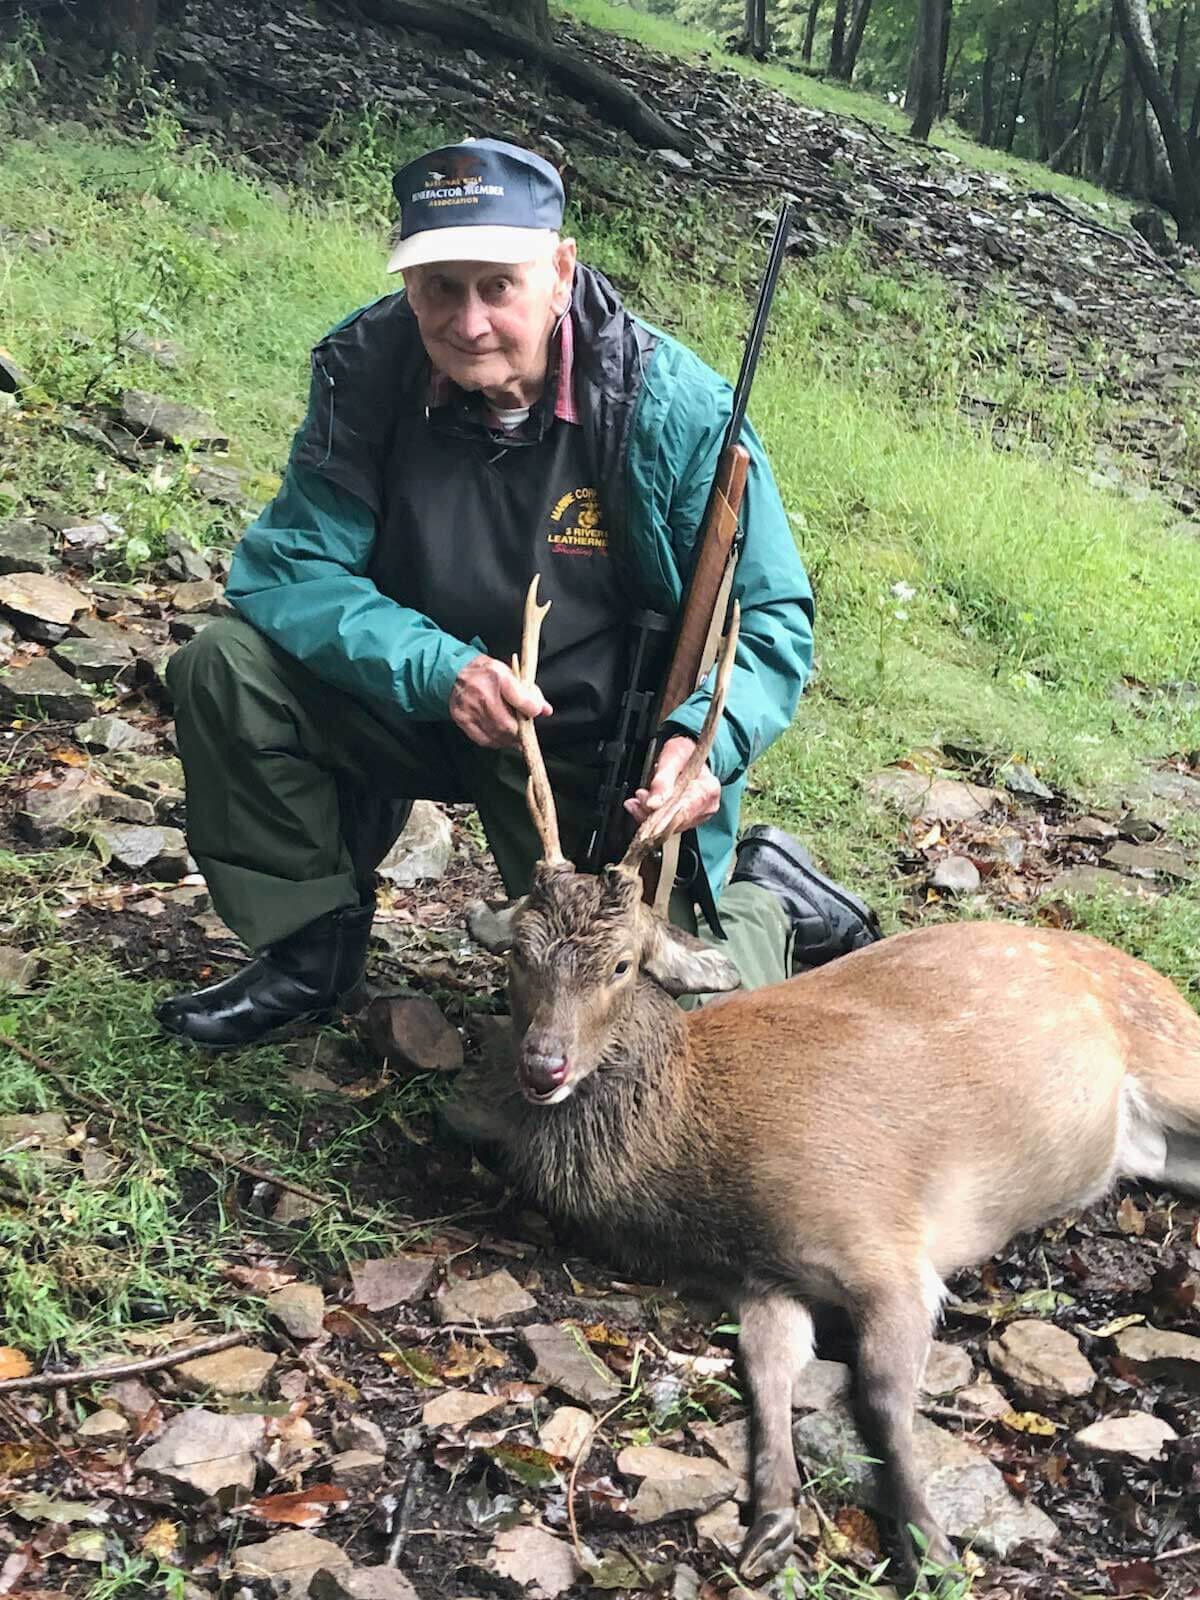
pixel 621 968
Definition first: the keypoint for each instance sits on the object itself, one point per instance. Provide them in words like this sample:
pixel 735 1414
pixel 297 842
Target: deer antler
pixel 538 794
pixel 659 823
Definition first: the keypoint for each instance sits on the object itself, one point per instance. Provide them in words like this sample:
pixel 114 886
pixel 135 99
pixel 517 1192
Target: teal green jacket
pixel 656 416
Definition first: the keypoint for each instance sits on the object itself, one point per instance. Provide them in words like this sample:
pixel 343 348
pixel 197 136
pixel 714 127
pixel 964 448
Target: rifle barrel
pixel 758 327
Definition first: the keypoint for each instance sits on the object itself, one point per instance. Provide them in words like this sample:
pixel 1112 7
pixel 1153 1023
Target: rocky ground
pixel 487 1410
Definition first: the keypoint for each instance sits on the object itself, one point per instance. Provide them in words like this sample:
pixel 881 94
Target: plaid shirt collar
pixel 562 364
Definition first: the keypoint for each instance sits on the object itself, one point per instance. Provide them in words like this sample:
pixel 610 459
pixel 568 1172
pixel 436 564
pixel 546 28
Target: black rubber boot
pixel 828 920
pixel 297 979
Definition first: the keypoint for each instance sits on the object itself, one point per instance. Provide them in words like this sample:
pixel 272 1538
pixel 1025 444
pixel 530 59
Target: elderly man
pixel 505 415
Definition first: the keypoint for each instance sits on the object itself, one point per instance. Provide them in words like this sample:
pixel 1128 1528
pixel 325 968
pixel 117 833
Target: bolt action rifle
pixel 628 757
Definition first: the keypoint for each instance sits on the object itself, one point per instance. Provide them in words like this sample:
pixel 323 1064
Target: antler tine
pixel 538 794
pixel 658 824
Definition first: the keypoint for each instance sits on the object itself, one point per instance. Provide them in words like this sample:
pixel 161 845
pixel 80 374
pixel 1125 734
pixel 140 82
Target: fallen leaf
pixel 258 1280
pixel 858 1527
pixel 1117 1325
pixel 456 1408
pixel 13 1364
pixel 488 1513
pixel 1130 1219
pixel 350 1323
pixel 161 1338
pixel 40 1508
pixel 86 1544
pixel 303 1508
pixel 600 1333
pixel 527 1464
pixel 161 1539
pixel 19 1458
pixel 615 1571
pixel 1029 1422
pixel 1135 1577
pixel 67 757
pixel 419 1364
pixel 464 1361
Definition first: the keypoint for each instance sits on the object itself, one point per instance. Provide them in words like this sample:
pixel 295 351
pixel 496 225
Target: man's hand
pixel 486 695
pixel 700 801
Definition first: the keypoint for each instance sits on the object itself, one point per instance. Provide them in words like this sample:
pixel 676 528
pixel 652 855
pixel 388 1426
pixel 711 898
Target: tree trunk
pixel 810 31
pixel 1016 106
pixel 1089 98
pixel 948 79
pixel 987 82
pixel 1194 126
pixel 753 41
pixel 1177 64
pixel 926 76
pixel 1134 23
pixel 854 39
pixel 1117 154
pixel 532 15
pixel 479 28
pixel 1047 98
pixel 837 37
pixel 944 46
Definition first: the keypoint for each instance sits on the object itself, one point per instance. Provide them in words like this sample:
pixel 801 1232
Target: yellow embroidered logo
pixel 575 528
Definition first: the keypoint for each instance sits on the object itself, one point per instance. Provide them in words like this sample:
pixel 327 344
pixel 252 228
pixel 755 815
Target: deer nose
pixel 543 1071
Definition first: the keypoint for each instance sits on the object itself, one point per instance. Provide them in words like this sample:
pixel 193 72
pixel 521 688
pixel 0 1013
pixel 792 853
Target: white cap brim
pixel 507 246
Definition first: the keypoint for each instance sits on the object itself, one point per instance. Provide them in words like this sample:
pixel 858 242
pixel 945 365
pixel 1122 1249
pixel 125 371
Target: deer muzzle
pixel 542 1070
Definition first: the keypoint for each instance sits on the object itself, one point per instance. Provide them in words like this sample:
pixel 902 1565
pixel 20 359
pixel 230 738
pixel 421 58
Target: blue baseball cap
pixel 482 200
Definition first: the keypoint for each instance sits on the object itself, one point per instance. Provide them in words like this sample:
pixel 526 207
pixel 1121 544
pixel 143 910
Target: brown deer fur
pixel 853 1136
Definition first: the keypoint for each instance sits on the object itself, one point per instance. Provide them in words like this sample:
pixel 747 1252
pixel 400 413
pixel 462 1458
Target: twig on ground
pixel 627 1550
pixel 122 1369
pixel 1181 1550
pixel 404 1510
pixel 105 1108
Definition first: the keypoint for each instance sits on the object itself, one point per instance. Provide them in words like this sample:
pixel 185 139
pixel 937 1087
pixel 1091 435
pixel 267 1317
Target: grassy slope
pixel 1032 592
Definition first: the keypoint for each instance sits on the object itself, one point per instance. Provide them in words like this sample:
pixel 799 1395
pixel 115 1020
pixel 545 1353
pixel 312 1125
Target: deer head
pixel 581 947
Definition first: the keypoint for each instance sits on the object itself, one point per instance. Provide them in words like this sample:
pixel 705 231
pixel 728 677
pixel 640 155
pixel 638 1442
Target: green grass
pixel 809 89
pixel 1031 595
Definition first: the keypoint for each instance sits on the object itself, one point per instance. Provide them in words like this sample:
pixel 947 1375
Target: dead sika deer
pixel 853 1136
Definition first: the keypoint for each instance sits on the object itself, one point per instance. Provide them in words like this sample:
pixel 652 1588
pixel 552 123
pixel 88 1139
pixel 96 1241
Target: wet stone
pixel 1094 880
pixel 289 1562
pixel 955 875
pixel 113 733
pixel 153 416
pixel 200 595
pixel 1042 1361
pixel 818 1384
pixel 37 597
pixel 53 813
pixel 300 1308
pixel 26 547
pixel 1150 861
pixel 220 484
pixel 948 1369
pixel 203 1453
pixel 240 1371
pixel 563 1365
pixel 43 690
pixel 185 562
pixel 391 1281
pixel 485 1300
pixel 1162 1353
pixel 1021 779
pixel 935 799
pixel 360 1433
pixel 362 1583
pixel 107 1426
pixel 162 852
pixel 1136 1437
pixel 93 660
pixel 409 1030
pixel 673 1484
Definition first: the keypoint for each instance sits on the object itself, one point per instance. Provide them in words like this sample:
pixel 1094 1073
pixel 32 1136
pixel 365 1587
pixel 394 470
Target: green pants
pixel 296 791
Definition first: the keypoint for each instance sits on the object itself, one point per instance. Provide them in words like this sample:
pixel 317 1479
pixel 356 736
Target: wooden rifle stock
pixel 702 622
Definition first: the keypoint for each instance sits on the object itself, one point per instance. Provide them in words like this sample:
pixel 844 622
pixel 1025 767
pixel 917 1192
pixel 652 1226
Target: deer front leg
pixel 776 1340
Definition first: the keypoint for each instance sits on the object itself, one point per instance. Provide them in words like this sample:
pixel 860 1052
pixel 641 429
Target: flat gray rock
pixel 27 547
pixel 409 1030
pixel 113 733
pixel 423 850
pixel 43 690
pixel 356 1469
pixel 1150 861
pixel 673 1484
pixel 1095 880
pixel 39 597
pixel 300 1308
pixel 948 1369
pixel 955 875
pixel 936 799
pixel 53 813
pixel 563 1364
pixel 94 660
pixel 819 1383
pixel 389 1281
pixel 161 852
pixel 1135 1437
pixel 199 595
pixel 1042 1361
pixel 289 1562
pixel 185 561
pixel 1160 1353
pixel 486 1300
pixel 153 416
pixel 241 1370
pixel 966 1493
pixel 360 1433
pixel 361 1583
pixel 202 1453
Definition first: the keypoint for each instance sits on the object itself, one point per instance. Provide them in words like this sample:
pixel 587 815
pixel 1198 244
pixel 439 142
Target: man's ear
pixel 682 964
pixel 494 929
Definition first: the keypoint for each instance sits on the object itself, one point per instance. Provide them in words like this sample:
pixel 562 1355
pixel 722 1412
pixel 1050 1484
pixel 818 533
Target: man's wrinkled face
pixel 488 327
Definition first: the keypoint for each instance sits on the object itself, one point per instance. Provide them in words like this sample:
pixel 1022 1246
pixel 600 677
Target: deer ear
pixel 494 929
pixel 682 964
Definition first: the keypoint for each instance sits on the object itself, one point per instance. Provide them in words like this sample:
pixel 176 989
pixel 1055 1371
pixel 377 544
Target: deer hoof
pixel 769 1544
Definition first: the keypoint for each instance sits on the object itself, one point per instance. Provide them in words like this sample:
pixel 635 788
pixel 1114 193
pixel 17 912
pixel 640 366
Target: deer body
pixel 853 1136
pixel 857 1135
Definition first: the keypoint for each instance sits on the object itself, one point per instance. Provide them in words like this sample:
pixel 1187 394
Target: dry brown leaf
pixel 304 1508
pixel 161 1539
pixel 13 1363
pixel 601 1333
pixel 464 1361
pixel 1130 1219
pixel 258 1280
